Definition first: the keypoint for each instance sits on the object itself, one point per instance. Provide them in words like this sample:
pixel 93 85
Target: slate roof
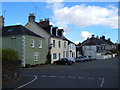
pixel 96 41
pixel 64 38
pixel 17 30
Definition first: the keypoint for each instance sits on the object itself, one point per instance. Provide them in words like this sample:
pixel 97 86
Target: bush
pixel 9 55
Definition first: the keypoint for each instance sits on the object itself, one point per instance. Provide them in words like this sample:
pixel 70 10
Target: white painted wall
pixel 71 47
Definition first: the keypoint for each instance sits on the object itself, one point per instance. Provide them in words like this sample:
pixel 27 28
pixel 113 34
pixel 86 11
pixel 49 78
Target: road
pixel 91 74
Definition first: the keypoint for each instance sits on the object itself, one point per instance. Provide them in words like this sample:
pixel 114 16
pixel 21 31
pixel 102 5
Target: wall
pixel 56 49
pixel 36 29
pixel 16 44
pixel 29 51
pixel 72 47
pixel 11 73
pixel 89 50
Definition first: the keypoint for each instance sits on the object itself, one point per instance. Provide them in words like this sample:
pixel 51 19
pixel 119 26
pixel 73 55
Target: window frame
pixel 32 43
pixel 40 42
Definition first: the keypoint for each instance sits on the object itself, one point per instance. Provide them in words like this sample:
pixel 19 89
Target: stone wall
pixel 11 73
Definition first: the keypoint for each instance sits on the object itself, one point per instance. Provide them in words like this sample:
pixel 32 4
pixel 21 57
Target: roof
pixel 96 41
pixel 64 38
pixel 17 30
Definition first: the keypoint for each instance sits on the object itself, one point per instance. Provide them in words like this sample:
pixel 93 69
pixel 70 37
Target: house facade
pixel 57 46
pixel 96 48
pixel 30 46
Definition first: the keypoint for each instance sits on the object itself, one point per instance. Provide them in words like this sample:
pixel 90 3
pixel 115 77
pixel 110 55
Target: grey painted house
pixel 30 46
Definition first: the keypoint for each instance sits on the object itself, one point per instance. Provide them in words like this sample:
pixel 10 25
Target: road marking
pixel 81 77
pixel 35 77
pixel 91 78
pixel 61 76
pixel 101 85
pixel 52 76
pixel 71 77
pixel 43 76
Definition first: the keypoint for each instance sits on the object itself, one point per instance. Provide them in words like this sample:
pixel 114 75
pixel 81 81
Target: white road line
pixel 35 77
pixel 43 76
pixel 61 76
pixel 71 77
pixel 91 78
pixel 81 77
pixel 101 85
pixel 52 76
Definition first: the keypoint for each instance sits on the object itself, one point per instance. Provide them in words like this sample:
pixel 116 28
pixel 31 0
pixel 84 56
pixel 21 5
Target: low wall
pixel 11 73
pixel 98 56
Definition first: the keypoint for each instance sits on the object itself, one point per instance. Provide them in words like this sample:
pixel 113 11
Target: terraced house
pixel 31 47
pixel 57 45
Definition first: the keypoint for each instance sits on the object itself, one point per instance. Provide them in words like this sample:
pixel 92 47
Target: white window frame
pixel 36 56
pixel 40 43
pixel 32 43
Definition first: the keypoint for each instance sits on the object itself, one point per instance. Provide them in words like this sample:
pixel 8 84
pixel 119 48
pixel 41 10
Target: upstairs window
pixel 64 44
pixel 59 44
pixel 32 43
pixel 40 43
pixel 54 43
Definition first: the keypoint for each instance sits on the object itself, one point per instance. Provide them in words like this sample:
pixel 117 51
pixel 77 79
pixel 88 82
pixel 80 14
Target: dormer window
pixel 56 32
pixel 32 43
pixel 51 30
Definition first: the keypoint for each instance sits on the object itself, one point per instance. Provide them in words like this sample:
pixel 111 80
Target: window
pixel 59 44
pixel 63 54
pixel 54 56
pixel 36 56
pixel 32 43
pixel 40 43
pixel 54 43
pixel 64 44
pixel 59 56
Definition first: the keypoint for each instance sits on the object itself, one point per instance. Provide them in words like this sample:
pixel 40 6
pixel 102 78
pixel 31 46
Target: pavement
pixel 91 74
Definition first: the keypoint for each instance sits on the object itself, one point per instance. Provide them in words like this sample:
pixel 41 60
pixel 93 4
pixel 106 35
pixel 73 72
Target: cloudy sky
pixel 78 19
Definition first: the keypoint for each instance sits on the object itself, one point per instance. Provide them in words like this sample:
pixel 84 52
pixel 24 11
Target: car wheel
pixel 66 63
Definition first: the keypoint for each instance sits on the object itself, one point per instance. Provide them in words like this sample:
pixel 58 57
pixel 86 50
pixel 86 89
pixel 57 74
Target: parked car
pixel 64 61
pixel 72 59
pixel 80 59
pixel 91 58
pixel 86 58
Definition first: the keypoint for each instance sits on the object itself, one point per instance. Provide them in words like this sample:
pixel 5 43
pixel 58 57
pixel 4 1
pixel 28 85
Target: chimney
pixel 93 36
pixel 108 39
pixel 97 37
pixel 31 17
pixel 103 37
pixel 1 21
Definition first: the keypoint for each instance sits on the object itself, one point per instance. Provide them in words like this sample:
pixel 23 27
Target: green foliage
pixel 48 57
pixel 9 55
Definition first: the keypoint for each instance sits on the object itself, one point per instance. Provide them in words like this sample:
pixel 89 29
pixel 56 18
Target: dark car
pixel 64 61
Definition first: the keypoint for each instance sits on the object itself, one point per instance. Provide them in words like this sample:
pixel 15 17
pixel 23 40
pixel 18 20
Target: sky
pixel 78 19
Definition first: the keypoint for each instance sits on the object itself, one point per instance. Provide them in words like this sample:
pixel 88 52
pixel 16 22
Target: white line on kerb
pixel 35 77
pixel 101 85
